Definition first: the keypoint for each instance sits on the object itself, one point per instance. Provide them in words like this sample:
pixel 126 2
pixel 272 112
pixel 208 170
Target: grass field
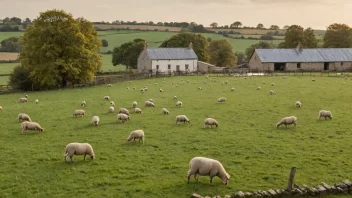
pixel 4 80
pixel 254 152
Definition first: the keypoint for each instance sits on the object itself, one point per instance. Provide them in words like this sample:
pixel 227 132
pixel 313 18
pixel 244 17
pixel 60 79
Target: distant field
pixel 8 56
pixel 5 35
pixel 4 80
pixel 7 68
pixel 135 27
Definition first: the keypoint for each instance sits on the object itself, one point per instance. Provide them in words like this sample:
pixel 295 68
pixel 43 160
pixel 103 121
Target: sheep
pixel 313 79
pixel 30 126
pixel 25 95
pixel 175 97
pixel 24 117
pixel 182 118
pixel 272 84
pixel 109 85
pixel 133 87
pixel 178 104
pixel 232 89
pixel 79 112
pixel 22 100
pixel 207 167
pixel 151 100
pixel 106 98
pixel 324 114
pixel 137 134
pixel 112 103
pixel 164 111
pixel 122 117
pixel 287 121
pixel 124 111
pixel 83 104
pixel 128 88
pixel 222 99
pixel 161 90
pixel 0 108
pixel 134 104
pixel 36 101
pixel 263 82
pixel 199 88
pixel 79 149
pixel 145 88
pixel 271 92
pixel 95 120
pixel 111 109
pixel 142 90
pixel 258 88
pixel 149 104
pixel 137 110
pixel 298 104
pixel 210 122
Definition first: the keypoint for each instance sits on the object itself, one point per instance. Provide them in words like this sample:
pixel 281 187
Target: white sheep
pixel 112 103
pixel 271 92
pixel 122 117
pixel 79 112
pixel 232 89
pixel 287 121
pixel 0 108
pixel 124 111
pixel 24 117
pixel 134 104
pixel 324 114
pixel 111 109
pixel 164 111
pixel 84 103
pixel 272 84
pixel 178 104
pixel 109 85
pixel 161 90
pixel 22 100
pixel 25 95
pixel 36 101
pixel 137 110
pixel 263 82
pixel 151 100
pixel 137 134
pixel 298 104
pixel 200 88
pixel 79 149
pixel 222 99
pixel 182 118
pixel 149 104
pixel 142 90
pixel 207 167
pixel 210 122
pixel 175 97
pixel 106 98
pixel 258 88
pixel 313 79
pixel 95 120
pixel 30 126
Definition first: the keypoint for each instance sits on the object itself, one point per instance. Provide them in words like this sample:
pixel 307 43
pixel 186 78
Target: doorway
pixel 326 66
pixel 177 68
pixel 279 66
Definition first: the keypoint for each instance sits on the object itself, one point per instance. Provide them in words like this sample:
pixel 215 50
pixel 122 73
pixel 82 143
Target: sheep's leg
pixel 71 159
pixel 211 179
pixel 85 156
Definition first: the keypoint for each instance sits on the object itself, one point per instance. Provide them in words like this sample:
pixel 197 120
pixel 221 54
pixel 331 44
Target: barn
pixel 299 59
pixel 167 60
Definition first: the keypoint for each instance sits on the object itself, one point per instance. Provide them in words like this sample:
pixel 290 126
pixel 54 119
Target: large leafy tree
pixel 57 49
pixel 200 44
pixel 221 53
pixel 309 41
pixel 260 45
pixel 296 34
pixel 214 25
pixel 127 54
pixel 338 36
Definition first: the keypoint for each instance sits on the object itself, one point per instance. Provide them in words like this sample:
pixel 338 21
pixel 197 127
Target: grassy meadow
pixel 253 151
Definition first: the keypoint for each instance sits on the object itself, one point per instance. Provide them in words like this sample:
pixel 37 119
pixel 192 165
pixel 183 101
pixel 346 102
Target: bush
pixel 104 42
pixel 19 79
pixel 267 37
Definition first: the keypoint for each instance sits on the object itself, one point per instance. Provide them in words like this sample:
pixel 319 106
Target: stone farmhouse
pixel 167 60
pixel 299 59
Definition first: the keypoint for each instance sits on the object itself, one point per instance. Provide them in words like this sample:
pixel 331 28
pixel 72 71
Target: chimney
pixel 146 45
pixel 190 46
pixel 299 47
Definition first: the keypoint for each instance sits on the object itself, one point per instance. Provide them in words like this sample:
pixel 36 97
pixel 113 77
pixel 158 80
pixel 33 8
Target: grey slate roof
pixel 171 54
pixel 306 55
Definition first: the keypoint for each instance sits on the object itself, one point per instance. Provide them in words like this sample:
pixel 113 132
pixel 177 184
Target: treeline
pixel 13 24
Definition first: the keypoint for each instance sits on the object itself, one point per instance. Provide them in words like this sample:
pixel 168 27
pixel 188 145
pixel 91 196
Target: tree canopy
pixel 11 44
pixel 57 49
pixel 200 44
pixel 296 34
pixel 214 25
pixel 221 53
pixel 260 26
pixel 338 36
pixel 127 54
pixel 104 42
pixel 236 24
pixel 260 45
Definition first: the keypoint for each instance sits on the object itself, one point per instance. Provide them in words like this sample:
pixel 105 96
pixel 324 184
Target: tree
pixel 127 54
pixel 19 79
pixel 221 53
pixel 214 25
pixel 57 49
pixel 309 41
pixel 199 29
pixel 261 45
pixel 274 27
pixel 296 34
pixel 338 36
pixel 26 22
pixel 104 43
pixel 160 23
pixel 209 39
pixel 200 43
pixel 260 26
pixel 11 44
pixel 240 57
pixel 286 27
pixel 236 24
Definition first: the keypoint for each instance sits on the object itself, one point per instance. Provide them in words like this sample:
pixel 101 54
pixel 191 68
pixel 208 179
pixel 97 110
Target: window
pixel 298 65
pixel 157 67
pixel 341 63
pixel 186 66
pixel 168 66
pixel 177 68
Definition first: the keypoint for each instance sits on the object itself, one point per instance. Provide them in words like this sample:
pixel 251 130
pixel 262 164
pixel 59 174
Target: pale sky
pixel 317 14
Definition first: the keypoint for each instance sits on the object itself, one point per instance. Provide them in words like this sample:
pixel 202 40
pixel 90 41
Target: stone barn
pixel 167 60
pixel 299 59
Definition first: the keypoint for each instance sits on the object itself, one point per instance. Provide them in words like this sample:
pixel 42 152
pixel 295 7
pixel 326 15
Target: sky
pixel 317 14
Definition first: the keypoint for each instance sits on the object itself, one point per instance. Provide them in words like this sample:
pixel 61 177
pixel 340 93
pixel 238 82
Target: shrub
pixel 104 42
pixel 19 79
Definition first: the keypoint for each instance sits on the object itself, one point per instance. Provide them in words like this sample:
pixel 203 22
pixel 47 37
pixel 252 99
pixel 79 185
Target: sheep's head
pixel 42 129
pixel 226 179
pixel 216 124
pixel 92 157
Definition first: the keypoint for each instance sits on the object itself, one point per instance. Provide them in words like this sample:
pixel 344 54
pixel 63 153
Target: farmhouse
pixel 167 60
pixel 299 59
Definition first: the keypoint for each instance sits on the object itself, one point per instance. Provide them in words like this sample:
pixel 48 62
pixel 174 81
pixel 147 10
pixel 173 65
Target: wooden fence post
pixel 290 179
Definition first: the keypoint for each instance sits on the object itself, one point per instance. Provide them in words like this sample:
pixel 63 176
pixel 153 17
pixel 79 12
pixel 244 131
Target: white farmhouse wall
pixel 163 65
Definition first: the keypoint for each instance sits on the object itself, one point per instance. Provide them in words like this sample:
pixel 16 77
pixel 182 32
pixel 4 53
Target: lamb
pixel 138 110
pixel 106 98
pixel 272 84
pixel 137 134
pixel 271 92
pixel 210 122
pixel 95 120
pixel 30 126
pixel 222 99
pixel 175 97
pixel 298 104
pixel 83 104
pixel 149 104
pixel 24 117
pixel 263 82
pixel 124 111
pixel 22 100
pixel 207 167
pixel 79 149
pixel 109 85
pixel 161 90
pixel 258 88
pixel 232 89
pixel 0 108
pixel 178 104
pixel 199 88
pixel 182 118
pixel 142 90
pixel 134 104
pixel 36 101
pixel 111 109
pixel 164 111
pixel 122 117
pixel 287 121
pixel 79 112
pixel 324 114
pixel 112 103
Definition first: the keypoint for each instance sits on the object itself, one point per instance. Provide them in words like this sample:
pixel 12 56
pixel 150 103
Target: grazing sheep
pixel 95 120
pixel 178 104
pixel 30 126
pixel 112 103
pixel 325 114
pixel 271 92
pixel 109 85
pixel 222 99
pixel 79 112
pixel 151 100
pixel 149 104
pixel 210 122
pixel 22 100
pixel 142 90
pixel 122 117
pixel 232 89
pixel 164 111
pixel 182 118
pixel 137 134
pixel 199 88
pixel 25 95
pixel 205 82
pixel 258 88
pixel 124 111
pixel 79 149
pixel 106 98
pixel 36 101
pixel 83 104
pixel 24 117
pixel 161 90
pixel 263 82
pixel 111 109
pixel 145 88
pixel 287 121
pixel 127 87
pixel 175 97
pixel 272 84
pixel 313 79
pixel 134 104
pixel 0 108
pixel 133 87
pixel 207 167
pixel 298 104
pixel 137 110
